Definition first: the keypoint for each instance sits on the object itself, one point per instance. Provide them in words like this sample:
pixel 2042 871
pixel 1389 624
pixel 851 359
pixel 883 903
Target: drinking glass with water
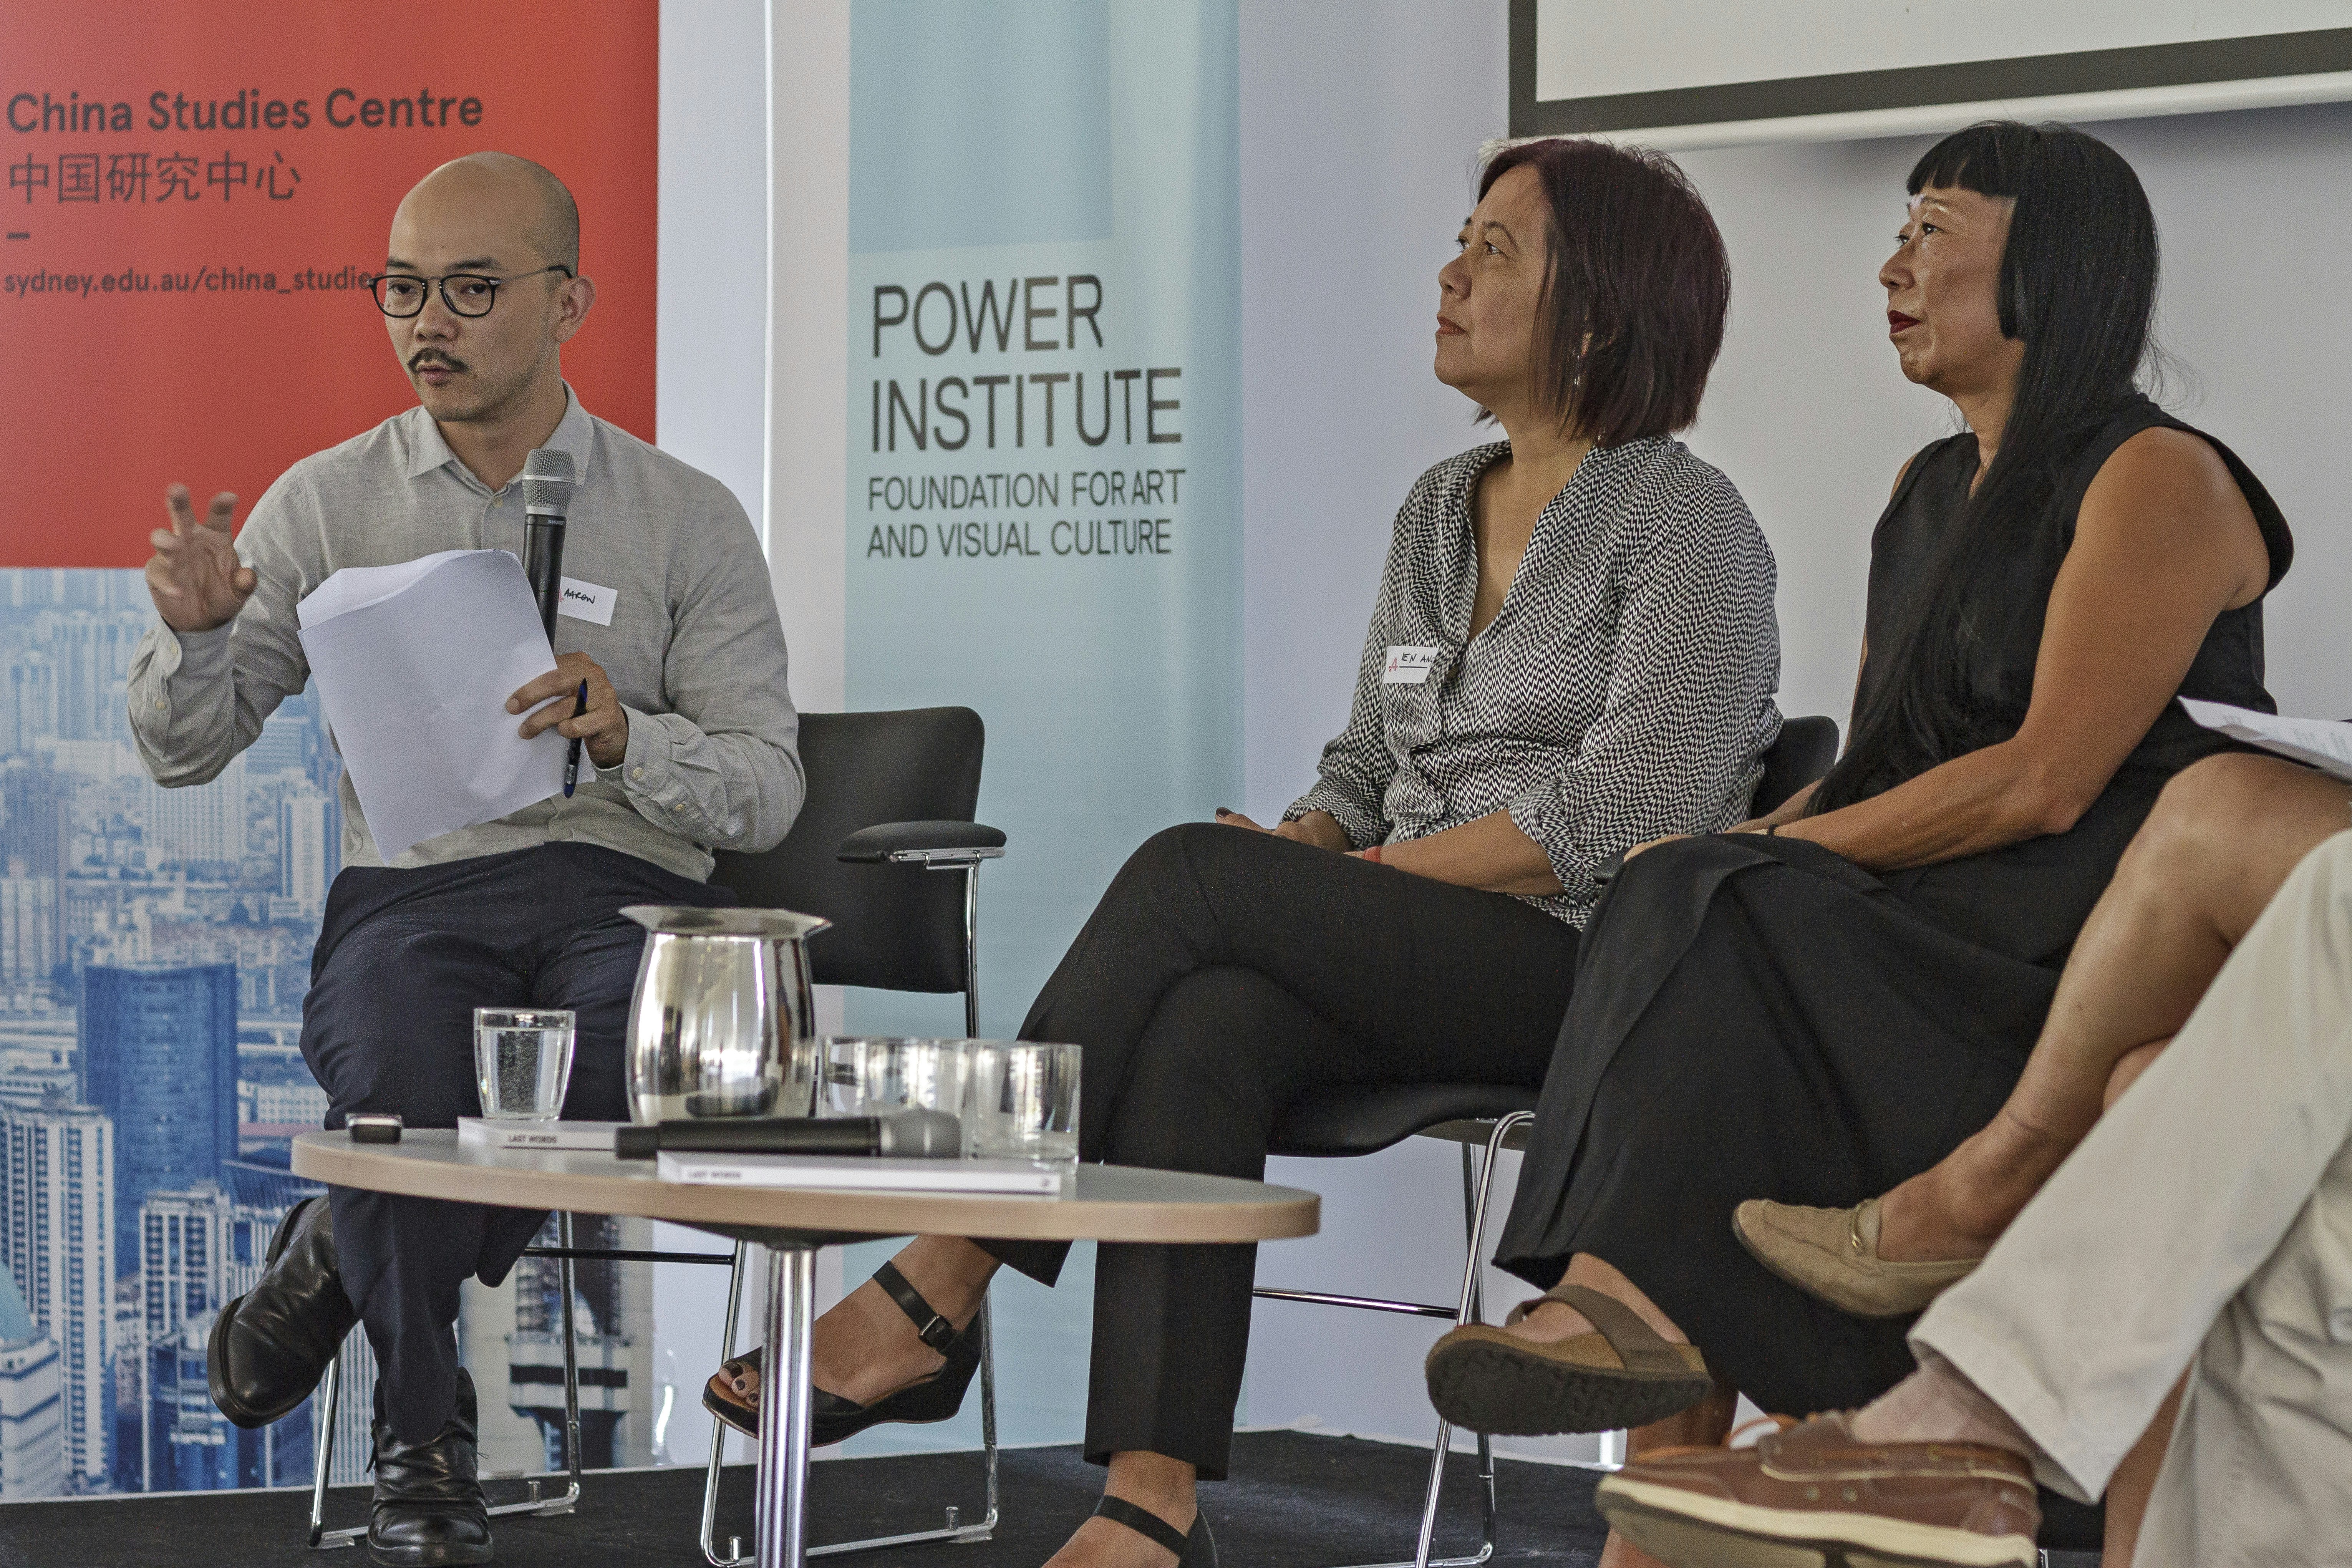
pixel 1022 1102
pixel 523 1058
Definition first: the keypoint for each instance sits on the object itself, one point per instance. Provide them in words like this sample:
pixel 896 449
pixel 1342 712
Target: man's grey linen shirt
pixel 695 650
pixel 1622 692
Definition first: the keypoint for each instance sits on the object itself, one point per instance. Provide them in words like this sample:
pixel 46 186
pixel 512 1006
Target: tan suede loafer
pixel 1833 1254
pixel 1815 1494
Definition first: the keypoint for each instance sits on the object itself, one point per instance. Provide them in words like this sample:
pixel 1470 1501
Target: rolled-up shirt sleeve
pixel 197 698
pixel 1687 710
pixel 722 767
pixel 1354 772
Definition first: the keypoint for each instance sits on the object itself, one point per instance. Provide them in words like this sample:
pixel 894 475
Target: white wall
pixel 708 371
pixel 1358 121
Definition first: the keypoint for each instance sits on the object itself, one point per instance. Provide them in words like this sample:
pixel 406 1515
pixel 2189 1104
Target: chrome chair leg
pixel 735 1556
pixel 564 1281
pixel 972 951
pixel 988 1412
pixel 323 1423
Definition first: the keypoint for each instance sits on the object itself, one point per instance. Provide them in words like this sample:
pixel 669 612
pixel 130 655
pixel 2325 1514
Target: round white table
pixel 1101 1202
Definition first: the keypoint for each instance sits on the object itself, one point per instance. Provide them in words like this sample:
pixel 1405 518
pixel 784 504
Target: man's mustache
pixel 431 356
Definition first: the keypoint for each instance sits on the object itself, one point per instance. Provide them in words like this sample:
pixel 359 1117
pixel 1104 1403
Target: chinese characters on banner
pixel 194 195
pixel 127 177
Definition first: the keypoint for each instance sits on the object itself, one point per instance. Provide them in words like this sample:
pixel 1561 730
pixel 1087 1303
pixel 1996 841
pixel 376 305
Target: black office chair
pixel 890 800
pixel 1342 1123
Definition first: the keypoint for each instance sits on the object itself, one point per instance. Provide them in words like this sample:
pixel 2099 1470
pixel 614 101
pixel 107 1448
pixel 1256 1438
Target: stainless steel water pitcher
pixel 721 1023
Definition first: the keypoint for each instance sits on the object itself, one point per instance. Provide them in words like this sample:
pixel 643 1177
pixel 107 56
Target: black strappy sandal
pixel 833 1419
pixel 1198 1550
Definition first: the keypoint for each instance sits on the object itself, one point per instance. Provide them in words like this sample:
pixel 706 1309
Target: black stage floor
pixel 1296 1500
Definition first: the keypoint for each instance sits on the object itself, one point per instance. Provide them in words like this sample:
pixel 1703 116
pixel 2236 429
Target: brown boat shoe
pixel 1833 1254
pixel 1816 1496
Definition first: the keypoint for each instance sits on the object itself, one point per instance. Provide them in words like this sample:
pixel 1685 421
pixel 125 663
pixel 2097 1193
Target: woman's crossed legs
pixel 2222 838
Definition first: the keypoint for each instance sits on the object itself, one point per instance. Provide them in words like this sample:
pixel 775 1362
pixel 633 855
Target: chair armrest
pixel 923 843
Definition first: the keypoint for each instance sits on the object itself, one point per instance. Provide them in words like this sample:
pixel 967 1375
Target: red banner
pixel 194 193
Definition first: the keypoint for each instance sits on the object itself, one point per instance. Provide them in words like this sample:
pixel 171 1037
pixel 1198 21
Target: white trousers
pixel 2207 1218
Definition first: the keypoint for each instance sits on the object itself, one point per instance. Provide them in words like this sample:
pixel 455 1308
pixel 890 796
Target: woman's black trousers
pixel 1225 973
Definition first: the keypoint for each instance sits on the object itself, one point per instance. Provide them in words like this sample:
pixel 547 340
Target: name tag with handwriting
pixel 1407 666
pixel 587 602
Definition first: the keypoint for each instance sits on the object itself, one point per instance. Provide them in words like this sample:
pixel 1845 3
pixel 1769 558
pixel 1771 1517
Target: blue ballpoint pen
pixel 571 757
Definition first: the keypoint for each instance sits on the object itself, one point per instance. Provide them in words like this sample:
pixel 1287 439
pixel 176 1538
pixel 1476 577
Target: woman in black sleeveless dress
pixel 1826 1002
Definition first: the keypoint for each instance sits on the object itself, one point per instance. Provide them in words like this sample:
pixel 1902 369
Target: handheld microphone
pixel 901 1135
pixel 547 481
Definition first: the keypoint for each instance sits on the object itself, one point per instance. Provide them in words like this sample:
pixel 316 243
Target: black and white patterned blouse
pixel 1623 692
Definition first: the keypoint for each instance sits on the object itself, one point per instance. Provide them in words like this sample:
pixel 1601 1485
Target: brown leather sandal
pixel 1626 1374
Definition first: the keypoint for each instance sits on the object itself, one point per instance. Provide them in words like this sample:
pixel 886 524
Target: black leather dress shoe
pixel 428 1508
pixel 270 1346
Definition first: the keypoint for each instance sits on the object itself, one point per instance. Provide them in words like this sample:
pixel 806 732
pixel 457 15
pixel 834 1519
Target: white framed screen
pixel 1685 73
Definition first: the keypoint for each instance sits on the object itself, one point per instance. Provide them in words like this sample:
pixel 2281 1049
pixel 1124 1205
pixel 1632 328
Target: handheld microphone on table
pixel 548 478
pixel 901 1135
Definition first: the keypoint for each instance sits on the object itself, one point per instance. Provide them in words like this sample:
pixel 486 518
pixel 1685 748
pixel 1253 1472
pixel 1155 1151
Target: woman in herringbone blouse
pixel 1573 649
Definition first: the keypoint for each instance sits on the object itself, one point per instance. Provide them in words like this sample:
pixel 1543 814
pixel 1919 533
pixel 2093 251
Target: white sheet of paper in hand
pixel 414 664
pixel 2323 743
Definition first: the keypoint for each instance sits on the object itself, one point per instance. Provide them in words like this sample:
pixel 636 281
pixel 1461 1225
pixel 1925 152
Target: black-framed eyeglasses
pixel 470 294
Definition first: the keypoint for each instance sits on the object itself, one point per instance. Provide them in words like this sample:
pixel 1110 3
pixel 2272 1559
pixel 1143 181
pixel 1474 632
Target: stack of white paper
pixel 2323 743
pixel 414 664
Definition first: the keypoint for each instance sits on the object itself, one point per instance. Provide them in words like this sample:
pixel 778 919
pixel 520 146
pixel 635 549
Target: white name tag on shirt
pixel 1407 666
pixel 587 602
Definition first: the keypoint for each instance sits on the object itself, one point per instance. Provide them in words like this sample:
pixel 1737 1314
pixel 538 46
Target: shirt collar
pixel 575 435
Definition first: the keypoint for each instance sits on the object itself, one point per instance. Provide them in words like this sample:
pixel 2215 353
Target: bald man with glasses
pixel 688 723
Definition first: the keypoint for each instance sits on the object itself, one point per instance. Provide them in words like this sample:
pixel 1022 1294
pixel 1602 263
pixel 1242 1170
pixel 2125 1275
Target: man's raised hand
pixel 194 577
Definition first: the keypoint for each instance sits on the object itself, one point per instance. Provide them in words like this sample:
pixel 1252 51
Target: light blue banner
pixel 1045 518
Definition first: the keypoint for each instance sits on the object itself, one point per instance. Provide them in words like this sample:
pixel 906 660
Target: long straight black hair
pixel 2078 289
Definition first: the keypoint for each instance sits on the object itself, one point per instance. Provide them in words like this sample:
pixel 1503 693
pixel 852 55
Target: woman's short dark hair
pixel 1634 301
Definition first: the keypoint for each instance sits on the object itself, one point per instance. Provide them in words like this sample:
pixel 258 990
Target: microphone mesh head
pixel 547 481
pixel 920 1135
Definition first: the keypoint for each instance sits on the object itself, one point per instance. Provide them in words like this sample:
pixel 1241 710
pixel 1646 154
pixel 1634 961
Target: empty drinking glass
pixel 874 1075
pixel 1024 1102
pixel 522 1059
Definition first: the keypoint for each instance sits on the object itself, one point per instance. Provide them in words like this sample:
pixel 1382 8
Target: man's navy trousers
pixel 404 958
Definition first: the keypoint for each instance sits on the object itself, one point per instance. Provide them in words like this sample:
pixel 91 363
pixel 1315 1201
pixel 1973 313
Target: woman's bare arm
pixel 1489 852
pixel 2164 542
